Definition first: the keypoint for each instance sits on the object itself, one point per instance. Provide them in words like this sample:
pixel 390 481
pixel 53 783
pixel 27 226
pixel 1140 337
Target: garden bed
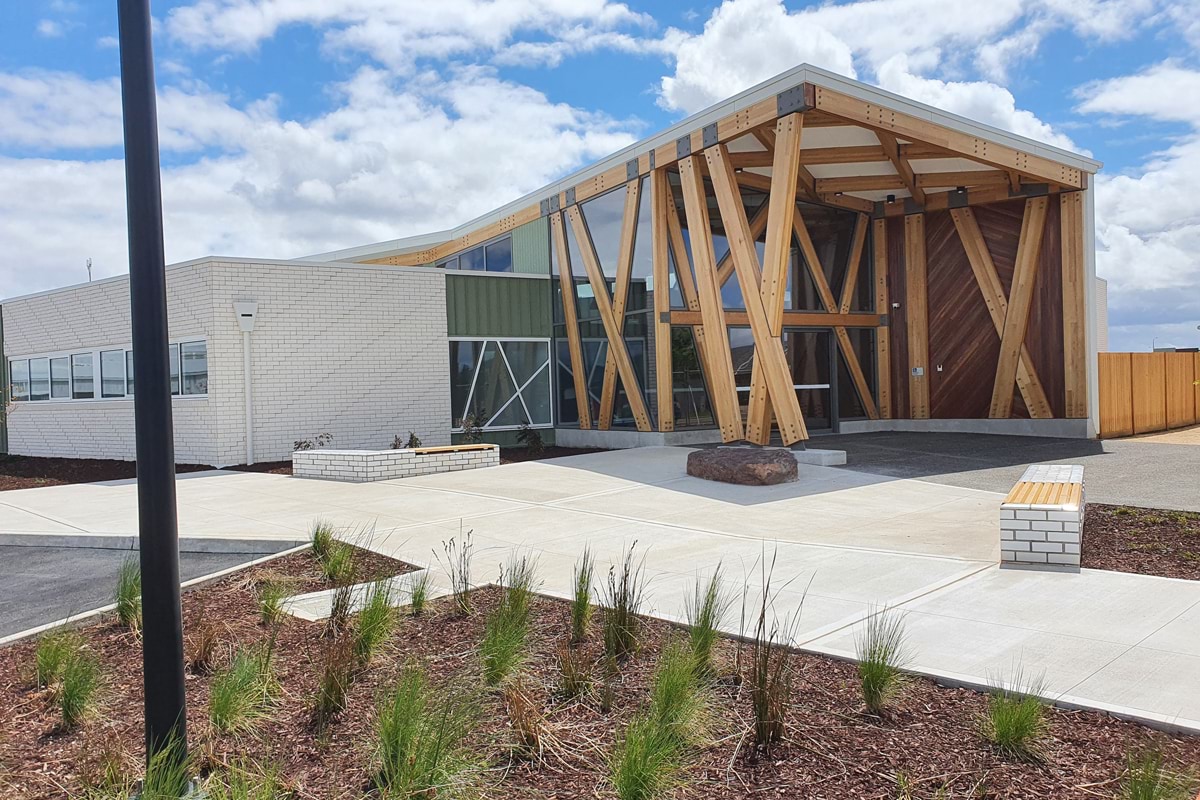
pixel 928 743
pixel 1142 540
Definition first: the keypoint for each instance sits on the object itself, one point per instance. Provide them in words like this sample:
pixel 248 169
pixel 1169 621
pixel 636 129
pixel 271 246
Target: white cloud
pixel 1165 91
pixel 49 28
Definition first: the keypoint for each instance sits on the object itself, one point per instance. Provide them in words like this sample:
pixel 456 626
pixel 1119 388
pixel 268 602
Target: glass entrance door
pixel 809 354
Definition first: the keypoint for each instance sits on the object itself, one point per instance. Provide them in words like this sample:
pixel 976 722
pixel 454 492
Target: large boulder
pixel 744 465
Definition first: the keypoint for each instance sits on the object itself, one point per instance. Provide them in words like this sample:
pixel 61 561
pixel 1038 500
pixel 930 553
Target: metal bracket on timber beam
pixel 616 343
pixel 719 360
pixel 1020 301
pixel 571 320
pixel 769 358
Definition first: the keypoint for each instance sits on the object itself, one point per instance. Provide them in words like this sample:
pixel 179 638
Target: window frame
pixel 95 356
pixel 518 397
pixel 454 262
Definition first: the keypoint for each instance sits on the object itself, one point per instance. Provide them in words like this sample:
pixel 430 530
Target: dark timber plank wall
pixel 898 318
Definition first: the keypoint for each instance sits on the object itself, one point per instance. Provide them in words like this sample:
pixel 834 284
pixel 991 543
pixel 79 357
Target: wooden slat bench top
pixel 451 448
pixel 1050 494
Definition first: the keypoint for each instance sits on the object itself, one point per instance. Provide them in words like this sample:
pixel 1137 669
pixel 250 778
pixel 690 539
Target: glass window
pixel 472 259
pixel 174 355
pixel 195 367
pixel 464 360
pixel 568 407
pixel 529 363
pixel 449 263
pixel 499 255
pixel 39 379
pixel 82 377
pixel 129 372
pixel 19 376
pixel 691 404
pixel 503 384
pixel 60 378
pixel 604 215
pixel 112 373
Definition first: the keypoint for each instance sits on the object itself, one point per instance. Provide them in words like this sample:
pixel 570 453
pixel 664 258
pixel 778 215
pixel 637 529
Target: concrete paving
pixel 1159 471
pixel 845 544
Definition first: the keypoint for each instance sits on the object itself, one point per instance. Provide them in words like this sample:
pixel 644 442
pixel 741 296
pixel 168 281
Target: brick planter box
pixel 360 466
pixel 1041 519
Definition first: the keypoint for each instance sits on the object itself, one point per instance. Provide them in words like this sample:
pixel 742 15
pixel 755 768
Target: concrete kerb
pixel 194 544
pixel 77 619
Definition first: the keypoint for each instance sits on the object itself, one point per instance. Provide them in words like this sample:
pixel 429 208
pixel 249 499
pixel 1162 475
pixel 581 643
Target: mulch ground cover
pixel 928 746
pixel 1147 541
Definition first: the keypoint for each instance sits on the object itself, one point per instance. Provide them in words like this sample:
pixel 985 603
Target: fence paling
pixel 1148 392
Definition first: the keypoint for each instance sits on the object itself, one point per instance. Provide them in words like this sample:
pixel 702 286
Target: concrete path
pixel 1159 471
pixel 847 543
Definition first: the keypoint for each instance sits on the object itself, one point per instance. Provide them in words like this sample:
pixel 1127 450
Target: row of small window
pixel 73 377
pixel 491 257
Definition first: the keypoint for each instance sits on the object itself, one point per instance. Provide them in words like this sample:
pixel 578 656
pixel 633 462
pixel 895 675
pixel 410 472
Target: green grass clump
pixel 705 613
pixel 78 687
pixel 1015 720
pixel 169 773
pixel 458 568
pixel 339 566
pixel 337 673
pixel 270 601
pixel 581 599
pixel 623 598
pixel 128 595
pixel 881 658
pixel 574 671
pixel 421 737
pixel 54 652
pixel 241 693
pixel 322 539
pixel 1146 778
pixel 419 593
pixel 247 781
pixel 645 764
pixel 375 623
pixel 503 646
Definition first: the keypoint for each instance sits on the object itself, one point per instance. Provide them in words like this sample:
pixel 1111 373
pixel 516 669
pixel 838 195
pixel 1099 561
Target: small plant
pixel 339 565
pixel 322 539
pixel 531 438
pixel 169 772
pixel 314 443
pixel 610 674
pixel 705 613
pixel 337 672
pixel 419 592
pixel 241 692
pixel 472 426
pixel 375 623
pixel 574 672
pixel 271 595
pixel 339 610
pixel 526 718
pixel 128 596
pixel 458 567
pixel 420 739
pixel 54 652
pixel 581 599
pixel 1146 778
pixel 411 443
pixel 77 692
pixel 202 644
pixel 645 763
pixel 1015 720
pixel 623 598
pixel 881 659
pixel 246 781
pixel 503 646
pixel 771 669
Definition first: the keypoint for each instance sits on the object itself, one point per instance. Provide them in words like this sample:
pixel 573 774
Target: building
pixel 867 263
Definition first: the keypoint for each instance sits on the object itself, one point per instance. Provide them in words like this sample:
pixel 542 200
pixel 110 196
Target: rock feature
pixel 744 465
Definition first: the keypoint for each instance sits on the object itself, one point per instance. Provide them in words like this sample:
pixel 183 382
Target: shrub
pixel 503 646
pixel 574 672
pixel 1146 779
pixel 337 673
pixel 881 658
pixel 705 613
pixel 623 597
pixel 241 693
pixel 420 739
pixel 54 652
pixel 1015 720
pixel 472 426
pixel 581 600
pixel 128 596
pixel 419 592
pixel 270 601
pixel 314 443
pixel 375 623
pixel 169 772
pixel 322 539
pixel 413 441
pixel 525 717
pixel 531 438
pixel 458 567
pixel 771 669
pixel 77 692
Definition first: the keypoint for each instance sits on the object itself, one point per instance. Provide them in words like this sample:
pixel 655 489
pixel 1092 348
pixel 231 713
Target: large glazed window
pixel 493 256
pixel 103 374
pixel 502 383
pixel 195 367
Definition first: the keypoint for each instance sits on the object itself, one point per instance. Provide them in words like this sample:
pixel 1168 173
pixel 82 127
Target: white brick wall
pixel 1050 535
pixel 357 351
pixel 359 466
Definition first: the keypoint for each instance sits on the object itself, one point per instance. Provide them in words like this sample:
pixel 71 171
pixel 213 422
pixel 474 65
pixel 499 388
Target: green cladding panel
pixel 482 305
pixel 531 247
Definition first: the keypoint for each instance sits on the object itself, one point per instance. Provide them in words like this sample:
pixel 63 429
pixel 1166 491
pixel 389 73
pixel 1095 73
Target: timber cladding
pixel 1148 392
pixel 964 336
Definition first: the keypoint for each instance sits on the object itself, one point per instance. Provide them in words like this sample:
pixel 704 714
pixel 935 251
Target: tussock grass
pixel 375 622
pixel 502 649
pixel 1015 719
pixel 338 566
pixel 202 644
pixel 54 652
pixel 706 612
pixel 128 595
pixel 458 553
pixel 337 673
pixel 623 597
pixel 271 595
pixel 574 671
pixel 79 684
pixel 421 737
pixel 241 692
pixel 882 655
pixel 419 593
pixel 528 722
pixel 645 764
pixel 771 669
pixel 246 780
pixel 169 772
pixel 322 539
pixel 581 598
pixel 1146 778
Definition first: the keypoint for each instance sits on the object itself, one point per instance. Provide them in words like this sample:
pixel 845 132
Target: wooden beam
pixel 751 158
pixel 891 149
pixel 883 345
pixel 806 184
pixel 791 319
pixel 814 263
pixel 917 308
pixel 719 360
pixel 968 178
pixel 842 155
pixel 1074 276
pixel 616 343
pixel 988 280
pixel 860 183
pixel 1020 301
pixel 859 204
pixel 571 320
pixel 854 366
pixel 660 206
pixel 850 286
pixel 629 222
pixel 769 358
pixel 922 150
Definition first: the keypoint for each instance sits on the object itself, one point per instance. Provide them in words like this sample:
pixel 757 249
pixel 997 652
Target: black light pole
pixel 162 623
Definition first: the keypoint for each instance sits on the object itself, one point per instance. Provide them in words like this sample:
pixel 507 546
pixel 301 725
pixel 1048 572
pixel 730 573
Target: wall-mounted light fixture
pixel 960 190
pixel 891 198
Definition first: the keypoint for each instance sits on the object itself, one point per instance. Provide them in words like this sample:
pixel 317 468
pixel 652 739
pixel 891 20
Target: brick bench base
pixel 360 466
pixel 1041 519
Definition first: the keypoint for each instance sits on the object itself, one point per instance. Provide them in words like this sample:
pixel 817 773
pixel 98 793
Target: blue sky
pixel 295 126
